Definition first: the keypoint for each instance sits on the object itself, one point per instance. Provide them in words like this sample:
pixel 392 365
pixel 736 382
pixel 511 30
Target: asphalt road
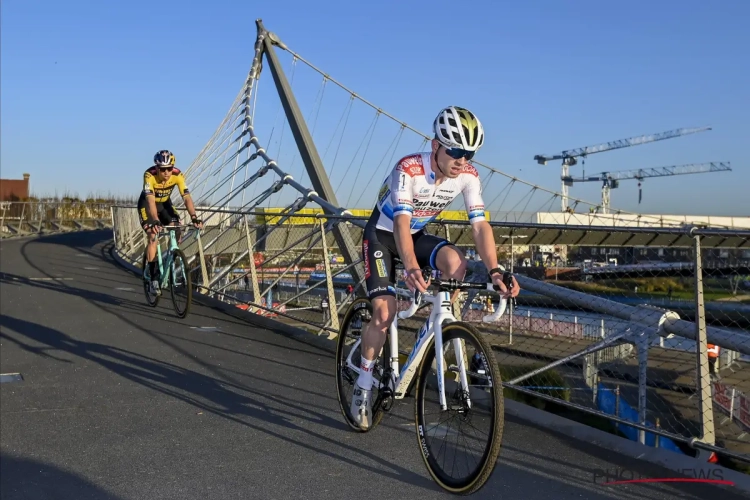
pixel 122 401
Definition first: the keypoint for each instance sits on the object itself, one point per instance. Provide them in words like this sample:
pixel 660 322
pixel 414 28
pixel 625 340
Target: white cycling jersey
pixel 410 189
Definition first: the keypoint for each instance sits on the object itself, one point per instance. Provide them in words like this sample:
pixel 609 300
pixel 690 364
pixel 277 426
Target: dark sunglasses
pixel 457 153
pixel 165 169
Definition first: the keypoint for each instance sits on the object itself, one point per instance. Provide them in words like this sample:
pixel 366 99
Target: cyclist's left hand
pixel 516 288
pixel 497 280
pixel 198 223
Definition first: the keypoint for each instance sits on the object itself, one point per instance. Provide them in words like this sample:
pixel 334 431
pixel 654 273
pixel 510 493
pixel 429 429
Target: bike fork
pixel 440 364
pixel 461 361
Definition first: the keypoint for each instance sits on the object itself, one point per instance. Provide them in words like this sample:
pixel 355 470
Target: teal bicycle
pixel 177 277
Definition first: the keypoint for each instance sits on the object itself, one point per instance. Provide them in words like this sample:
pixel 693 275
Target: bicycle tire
pixel 479 477
pixel 146 284
pixel 341 354
pixel 177 254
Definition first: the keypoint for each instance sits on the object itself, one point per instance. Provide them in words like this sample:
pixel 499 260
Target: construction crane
pixel 611 180
pixel 568 157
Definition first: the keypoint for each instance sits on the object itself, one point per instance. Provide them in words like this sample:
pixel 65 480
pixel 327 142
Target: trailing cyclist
pixel 419 187
pixel 155 206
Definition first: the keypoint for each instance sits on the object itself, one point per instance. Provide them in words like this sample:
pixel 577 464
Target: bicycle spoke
pixel 460 444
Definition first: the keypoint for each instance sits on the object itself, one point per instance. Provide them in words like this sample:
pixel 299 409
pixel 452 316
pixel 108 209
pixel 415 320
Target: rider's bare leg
pixel 452 264
pixel 374 333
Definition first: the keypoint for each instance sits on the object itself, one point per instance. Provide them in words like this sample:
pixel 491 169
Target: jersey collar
pixel 429 174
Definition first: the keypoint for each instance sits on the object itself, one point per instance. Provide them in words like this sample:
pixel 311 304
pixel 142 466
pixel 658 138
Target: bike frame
pixel 433 327
pixel 440 313
pixel 167 263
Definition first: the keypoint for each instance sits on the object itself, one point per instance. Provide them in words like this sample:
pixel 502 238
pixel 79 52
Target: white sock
pixel 365 374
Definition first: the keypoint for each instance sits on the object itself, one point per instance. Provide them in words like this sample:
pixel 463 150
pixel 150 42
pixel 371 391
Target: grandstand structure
pixel 542 241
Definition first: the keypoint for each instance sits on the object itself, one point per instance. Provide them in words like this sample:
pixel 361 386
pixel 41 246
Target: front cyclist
pixel 155 206
pixel 414 193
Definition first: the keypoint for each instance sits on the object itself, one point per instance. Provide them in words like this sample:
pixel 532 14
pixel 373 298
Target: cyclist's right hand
pixel 414 280
pixel 153 225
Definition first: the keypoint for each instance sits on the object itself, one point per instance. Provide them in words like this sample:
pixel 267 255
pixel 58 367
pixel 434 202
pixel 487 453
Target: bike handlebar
pixel 415 303
pixel 453 284
pixel 174 228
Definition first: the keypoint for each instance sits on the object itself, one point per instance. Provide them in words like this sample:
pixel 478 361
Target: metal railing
pixel 627 347
pixel 23 218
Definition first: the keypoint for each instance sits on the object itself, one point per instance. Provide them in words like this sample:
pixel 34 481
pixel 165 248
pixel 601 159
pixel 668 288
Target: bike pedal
pixel 387 404
pixel 385 399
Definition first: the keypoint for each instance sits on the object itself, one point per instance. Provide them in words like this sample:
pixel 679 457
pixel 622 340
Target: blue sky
pixel 90 90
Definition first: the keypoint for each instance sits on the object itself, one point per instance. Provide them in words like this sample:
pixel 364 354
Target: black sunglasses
pixel 457 153
pixel 165 169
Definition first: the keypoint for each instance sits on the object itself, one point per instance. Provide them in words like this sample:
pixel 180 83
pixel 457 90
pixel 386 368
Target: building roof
pixel 14 189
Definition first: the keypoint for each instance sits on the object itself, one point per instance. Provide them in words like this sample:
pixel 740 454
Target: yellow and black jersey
pixel 161 192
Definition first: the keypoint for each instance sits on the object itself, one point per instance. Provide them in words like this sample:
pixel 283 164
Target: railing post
pixel 642 345
pixel 512 309
pixel 44 216
pixel 35 209
pixel 331 295
pixel 617 405
pixel 253 271
pixel 20 222
pixel 703 379
pixel 114 226
pixel 204 272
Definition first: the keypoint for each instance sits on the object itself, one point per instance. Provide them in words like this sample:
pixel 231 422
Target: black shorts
pixel 166 212
pixel 380 254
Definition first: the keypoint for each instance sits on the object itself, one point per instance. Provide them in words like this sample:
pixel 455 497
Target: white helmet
pixel 459 128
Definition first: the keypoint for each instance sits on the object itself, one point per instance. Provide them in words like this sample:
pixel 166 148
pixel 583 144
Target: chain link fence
pixel 611 330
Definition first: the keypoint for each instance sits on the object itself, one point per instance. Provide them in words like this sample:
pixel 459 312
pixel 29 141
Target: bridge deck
pixel 123 401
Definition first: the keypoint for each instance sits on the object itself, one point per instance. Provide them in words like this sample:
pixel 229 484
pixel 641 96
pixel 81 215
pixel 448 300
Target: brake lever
pixel 508 282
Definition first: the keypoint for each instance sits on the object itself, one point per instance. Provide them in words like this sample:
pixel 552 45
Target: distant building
pixel 14 189
pixel 642 255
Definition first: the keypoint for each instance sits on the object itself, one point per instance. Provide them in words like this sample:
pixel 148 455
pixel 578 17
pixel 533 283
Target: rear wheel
pixel 348 355
pixel 460 445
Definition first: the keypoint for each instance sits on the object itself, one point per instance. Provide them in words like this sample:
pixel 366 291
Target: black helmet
pixel 164 158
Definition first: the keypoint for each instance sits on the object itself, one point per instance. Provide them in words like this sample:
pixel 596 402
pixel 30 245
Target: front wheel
pixel 180 285
pixel 460 444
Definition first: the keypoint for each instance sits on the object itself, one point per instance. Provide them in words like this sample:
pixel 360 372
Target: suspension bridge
pixel 246 401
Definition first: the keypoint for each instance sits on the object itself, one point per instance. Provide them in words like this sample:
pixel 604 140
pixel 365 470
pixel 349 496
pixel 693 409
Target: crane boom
pixel 621 143
pixel 611 180
pixel 642 173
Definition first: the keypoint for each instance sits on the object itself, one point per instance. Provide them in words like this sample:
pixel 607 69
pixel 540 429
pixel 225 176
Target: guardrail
pixel 734 403
pixel 586 336
pixel 25 218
